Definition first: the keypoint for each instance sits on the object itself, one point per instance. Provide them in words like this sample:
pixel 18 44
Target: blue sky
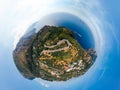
pixel 100 15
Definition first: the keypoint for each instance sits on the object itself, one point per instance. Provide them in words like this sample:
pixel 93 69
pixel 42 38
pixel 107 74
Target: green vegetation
pixel 59 54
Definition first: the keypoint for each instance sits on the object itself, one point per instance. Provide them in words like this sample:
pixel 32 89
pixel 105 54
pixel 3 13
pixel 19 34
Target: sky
pixel 101 16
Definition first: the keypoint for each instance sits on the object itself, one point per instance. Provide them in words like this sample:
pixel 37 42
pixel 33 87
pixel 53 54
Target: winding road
pixel 58 43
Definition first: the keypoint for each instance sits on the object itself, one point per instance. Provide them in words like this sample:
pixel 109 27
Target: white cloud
pixel 43 82
pixel 26 13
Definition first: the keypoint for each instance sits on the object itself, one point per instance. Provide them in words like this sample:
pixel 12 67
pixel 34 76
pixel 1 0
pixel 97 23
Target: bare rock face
pixel 52 54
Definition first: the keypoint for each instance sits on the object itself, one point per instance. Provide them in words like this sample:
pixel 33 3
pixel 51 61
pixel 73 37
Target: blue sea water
pixel 96 24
